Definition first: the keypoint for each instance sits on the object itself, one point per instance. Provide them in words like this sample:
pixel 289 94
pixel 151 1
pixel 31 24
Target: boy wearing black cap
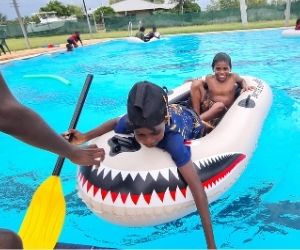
pixel 157 124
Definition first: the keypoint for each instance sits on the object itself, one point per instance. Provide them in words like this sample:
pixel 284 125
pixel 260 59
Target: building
pixel 140 7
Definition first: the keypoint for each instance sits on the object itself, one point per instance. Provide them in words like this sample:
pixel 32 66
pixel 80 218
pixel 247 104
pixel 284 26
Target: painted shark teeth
pixel 150 188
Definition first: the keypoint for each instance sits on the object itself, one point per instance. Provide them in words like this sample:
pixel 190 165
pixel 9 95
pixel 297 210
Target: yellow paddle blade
pixel 45 216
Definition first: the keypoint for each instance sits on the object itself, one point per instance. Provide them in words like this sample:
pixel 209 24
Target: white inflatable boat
pixel 144 187
pixel 290 33
pixel 133 39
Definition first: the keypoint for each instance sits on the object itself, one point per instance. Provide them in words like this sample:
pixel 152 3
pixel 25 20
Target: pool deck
pixel 27 53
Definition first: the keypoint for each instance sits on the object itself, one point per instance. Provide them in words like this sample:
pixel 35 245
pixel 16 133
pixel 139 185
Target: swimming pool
pixel 262 210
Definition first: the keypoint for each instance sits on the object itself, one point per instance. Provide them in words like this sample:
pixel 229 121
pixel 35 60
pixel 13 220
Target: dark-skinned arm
pixel 190 175
pixel 79 39
pixel 79 138
pixel 27 126
pixel 242 83
pixel 197 94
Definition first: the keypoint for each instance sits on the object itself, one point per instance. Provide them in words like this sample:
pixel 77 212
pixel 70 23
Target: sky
pixel 27 7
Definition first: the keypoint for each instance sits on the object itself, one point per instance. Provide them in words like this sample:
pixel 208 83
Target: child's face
pixel 150 137
pixel 222 70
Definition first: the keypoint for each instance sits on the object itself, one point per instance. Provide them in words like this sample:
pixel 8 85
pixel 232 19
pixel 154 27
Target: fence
pixel 262 13
pixel 114 23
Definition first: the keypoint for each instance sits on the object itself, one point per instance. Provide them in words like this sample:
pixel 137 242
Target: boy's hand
pixel 247 88
pixel 75 135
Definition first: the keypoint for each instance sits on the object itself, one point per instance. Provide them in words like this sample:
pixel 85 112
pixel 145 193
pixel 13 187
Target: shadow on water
pixel 249 211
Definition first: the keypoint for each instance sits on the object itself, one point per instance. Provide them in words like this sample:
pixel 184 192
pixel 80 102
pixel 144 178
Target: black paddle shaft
pixel 75 118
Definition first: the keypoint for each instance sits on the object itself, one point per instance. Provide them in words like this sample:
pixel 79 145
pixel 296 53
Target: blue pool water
pixel 262 210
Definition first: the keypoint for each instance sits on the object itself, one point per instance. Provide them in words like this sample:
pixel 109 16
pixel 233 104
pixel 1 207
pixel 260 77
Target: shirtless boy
pixel 212 97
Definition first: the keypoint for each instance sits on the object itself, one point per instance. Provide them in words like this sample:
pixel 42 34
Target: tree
pixel 75 10
pixel 256 2
pixel 214 5
pixel 2 18
pixel 58 7
pixel 187 6
pixel 114 1
pixel 231 4
pixel 105 11
pixel 191 7
pixel 152 1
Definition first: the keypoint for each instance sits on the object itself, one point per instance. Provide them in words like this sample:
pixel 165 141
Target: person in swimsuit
pixel 152 34
pixel 157 124
pixel 214 95
pixel 73 40
pixel 297 26
pixel 141 33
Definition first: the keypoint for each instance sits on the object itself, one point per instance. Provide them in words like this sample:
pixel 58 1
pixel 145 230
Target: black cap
pixel 146 105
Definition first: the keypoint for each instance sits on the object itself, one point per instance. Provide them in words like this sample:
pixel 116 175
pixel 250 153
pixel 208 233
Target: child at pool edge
pixel 157 124
pixel 141 33
pixel 73 40
pixel 26 125
pixel 212 97
pixel 297 26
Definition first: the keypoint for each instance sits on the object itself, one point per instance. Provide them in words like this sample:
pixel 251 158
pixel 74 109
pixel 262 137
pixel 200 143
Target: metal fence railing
pixel 263 13
pixel 114 23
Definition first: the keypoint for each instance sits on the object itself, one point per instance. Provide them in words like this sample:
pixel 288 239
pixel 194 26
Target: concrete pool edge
pixel 30 53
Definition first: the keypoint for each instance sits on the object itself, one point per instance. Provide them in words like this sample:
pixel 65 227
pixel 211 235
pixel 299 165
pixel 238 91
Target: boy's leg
pixel 215 111
pixel 197 95
pixel 10 240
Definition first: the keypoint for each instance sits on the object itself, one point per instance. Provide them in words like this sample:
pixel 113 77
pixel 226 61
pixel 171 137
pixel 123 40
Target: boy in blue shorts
pixel 157 124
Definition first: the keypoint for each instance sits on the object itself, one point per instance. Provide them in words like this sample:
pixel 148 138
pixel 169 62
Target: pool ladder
pixel 130 28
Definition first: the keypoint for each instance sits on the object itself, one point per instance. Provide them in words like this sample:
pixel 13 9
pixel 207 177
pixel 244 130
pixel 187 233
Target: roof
pixel 135 5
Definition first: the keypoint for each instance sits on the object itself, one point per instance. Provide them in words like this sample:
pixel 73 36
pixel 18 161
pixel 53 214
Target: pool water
pixel 262 210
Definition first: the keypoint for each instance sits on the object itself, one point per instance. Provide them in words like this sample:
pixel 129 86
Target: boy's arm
pixel 197 94
pixel 102 129
pixel 79 138
pixel 192 178
pixel 174 144
pixel 242 83
pixel 79 39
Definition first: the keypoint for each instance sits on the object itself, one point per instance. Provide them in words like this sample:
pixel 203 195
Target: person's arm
pixel 79 39
pixel 242 83
pixel 79 138
pixel 197 94
pixel 173 143
pixel 27 126
pixel 190 175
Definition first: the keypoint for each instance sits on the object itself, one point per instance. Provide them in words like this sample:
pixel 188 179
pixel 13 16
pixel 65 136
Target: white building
pixel 140 7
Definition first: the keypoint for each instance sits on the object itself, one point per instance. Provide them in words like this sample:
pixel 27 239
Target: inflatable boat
pixel 133 39
pixel 290 33
pixel 139 186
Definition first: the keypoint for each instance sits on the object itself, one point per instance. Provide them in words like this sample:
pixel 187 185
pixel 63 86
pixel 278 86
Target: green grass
pixel 37 42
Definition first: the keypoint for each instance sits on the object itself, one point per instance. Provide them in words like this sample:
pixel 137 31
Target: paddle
pixel 44 218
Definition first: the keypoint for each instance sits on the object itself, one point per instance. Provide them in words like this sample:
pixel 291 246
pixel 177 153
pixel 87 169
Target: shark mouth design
pixel 135 185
